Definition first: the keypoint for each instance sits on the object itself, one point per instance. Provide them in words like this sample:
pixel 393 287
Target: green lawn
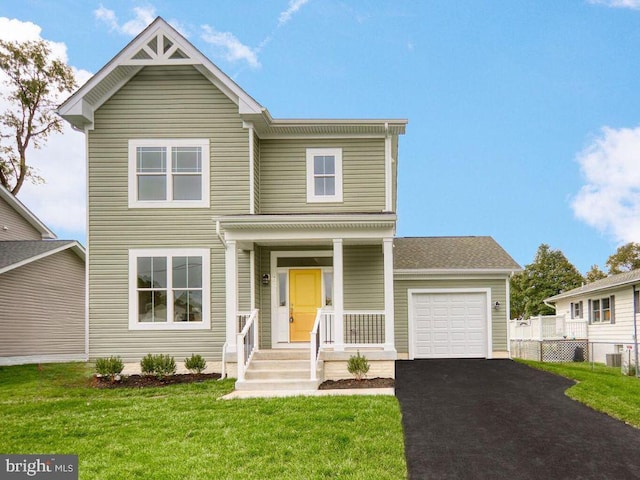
pixel 602 388
pixel 185 432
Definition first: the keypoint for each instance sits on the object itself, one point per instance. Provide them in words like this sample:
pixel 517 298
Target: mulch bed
pixel 377 382
pixel 140 381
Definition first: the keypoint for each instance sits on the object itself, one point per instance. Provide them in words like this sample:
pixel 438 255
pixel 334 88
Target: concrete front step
pixel 279 364
pixel 281 374
pixel 275 385
pixel 282 354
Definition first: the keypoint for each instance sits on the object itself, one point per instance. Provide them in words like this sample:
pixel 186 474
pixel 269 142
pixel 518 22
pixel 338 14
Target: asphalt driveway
pixel 498 419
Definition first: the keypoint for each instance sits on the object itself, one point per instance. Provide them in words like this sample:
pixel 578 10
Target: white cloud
pixel 610 199
pixel 632 4
pixel 60 202
pixel 229 46
pixel 143 17
pixel 293 7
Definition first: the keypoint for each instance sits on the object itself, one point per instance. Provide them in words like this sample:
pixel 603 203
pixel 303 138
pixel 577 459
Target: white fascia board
pixel 306 234
pixel 238 220
pixel 478 273
pixel 20 207
pixel 75 246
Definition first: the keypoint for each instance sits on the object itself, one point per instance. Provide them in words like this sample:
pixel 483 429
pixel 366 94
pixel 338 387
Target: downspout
pixel 224 347
pixel 635 329
pixel 219 234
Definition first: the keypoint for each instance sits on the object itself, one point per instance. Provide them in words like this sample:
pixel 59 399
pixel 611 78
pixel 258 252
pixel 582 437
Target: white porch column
pixel 338 295
pixel 231 282
pixel 389 312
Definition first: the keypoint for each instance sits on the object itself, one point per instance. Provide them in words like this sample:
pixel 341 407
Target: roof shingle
pixel 451 253
pixel 610 282
pixel 16 251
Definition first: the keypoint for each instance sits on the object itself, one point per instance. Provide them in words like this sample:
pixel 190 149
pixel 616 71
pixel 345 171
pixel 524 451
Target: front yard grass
pixel 602 388
pixel 185 432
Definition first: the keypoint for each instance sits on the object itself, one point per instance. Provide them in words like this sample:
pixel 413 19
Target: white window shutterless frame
pixel 169 173
pixel 324 175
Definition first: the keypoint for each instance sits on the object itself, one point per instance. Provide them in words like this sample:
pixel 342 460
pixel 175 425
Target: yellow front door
pixel 305 298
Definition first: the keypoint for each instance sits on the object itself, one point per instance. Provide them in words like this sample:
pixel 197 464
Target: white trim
pixel 411 323
pixel 508 313
pixel 252 187
pixel 311 195
pixel 388 185
pixel 231 293
pixel 75 246
pixel 338 294
pixel 389 308
pixel 274 270
pixel 454 271
pixel 86 262
pixel 27 214
pixel 52 358
pixel 168 143
pixel 205 254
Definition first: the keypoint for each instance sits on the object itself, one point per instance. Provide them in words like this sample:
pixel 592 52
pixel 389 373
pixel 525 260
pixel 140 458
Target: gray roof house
pixel 610 306
pixel 42 282
pixel 248 238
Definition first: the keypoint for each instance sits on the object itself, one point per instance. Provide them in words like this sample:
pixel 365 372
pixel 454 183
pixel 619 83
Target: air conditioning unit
pixel 613 359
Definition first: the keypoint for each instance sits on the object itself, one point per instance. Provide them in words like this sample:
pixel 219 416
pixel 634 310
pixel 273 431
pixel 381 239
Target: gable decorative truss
pixel 161 44
pixel 158 44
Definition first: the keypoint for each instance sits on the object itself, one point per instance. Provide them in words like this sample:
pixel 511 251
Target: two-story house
pixel 217 229
pixel 42 285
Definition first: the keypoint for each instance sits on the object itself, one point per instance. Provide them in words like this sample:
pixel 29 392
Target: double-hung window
pixel 602 310
pixel 169 289
pixel 324 175
pixel 576 309
pixel 171 173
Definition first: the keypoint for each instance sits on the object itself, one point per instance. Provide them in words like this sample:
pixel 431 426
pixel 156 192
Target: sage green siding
pixel 43 307
pixel 256 173
pixel 283 176
pixel 363 267
pixel 498 317
pixel 159 102
pixel 17 228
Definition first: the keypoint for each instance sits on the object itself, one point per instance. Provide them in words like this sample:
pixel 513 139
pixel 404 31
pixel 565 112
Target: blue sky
pixel 523 115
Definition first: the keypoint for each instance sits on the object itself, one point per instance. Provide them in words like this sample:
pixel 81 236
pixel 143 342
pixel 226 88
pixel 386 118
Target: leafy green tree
pixel 549 274
pixel 626 258
pixel 35 82
pixel 594 274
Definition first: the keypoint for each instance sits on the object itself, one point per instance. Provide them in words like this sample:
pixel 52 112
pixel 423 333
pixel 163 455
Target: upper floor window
pixel 324 175
pixel 170 173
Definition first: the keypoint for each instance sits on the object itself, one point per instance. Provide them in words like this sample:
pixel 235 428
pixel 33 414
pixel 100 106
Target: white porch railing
pixel 548 327
pixel 247 340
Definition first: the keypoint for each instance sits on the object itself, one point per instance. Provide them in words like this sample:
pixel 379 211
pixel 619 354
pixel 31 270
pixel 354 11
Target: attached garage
pixel 451 297
pixel 448 324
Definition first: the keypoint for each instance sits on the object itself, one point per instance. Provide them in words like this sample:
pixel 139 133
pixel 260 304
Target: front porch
pixel 309 364
pixel 318 283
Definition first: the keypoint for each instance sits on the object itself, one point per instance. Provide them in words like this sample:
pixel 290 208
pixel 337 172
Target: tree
pixel 626 258
pixel 35 82
pixel 595 274
pixel 549 274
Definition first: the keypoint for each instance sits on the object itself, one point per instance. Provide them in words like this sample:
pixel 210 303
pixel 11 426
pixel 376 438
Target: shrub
pixel 358 366
pixel 195 363
pixel 158 365
pixel 109 367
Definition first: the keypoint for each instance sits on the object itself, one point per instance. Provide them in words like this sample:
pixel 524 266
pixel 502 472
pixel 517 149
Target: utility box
pixel 613 359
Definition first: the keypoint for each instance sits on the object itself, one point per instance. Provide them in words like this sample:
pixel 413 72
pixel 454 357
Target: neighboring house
pixel 42 280
pixel 207 216
pixel 610 306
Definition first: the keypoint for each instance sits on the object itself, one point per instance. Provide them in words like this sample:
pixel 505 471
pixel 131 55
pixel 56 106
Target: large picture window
pixel 169 173
pixel 169 289
pixel 324 175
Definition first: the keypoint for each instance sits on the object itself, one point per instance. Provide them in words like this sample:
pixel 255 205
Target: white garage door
pixel 449 325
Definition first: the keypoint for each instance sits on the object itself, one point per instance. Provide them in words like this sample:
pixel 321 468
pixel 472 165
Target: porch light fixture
pixel 266 278
pixel 496 305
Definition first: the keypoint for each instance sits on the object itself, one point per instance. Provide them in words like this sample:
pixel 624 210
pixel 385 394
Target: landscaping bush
pixel 195 363
pixel 109 367
pixel 158 365
pixel 358 366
